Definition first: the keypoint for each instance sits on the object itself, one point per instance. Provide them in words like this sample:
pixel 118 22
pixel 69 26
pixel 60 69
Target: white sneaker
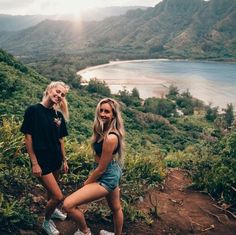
pixel 49 228
pixel 104 232
pixel 57 214
pixel 52 222
pixel 78 232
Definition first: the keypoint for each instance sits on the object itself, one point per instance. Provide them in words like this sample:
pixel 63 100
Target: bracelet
pixel 65 159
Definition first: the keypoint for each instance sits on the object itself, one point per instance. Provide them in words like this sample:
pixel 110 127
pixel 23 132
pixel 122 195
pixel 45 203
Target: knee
pixel 116 208
pixel 67 206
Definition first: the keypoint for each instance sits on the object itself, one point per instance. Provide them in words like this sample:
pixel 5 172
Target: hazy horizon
pixel 61 7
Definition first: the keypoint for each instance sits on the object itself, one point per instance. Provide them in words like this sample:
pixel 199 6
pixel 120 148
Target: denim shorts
pixel 111 177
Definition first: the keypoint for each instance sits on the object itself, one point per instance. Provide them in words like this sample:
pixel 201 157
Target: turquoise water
pixel 212 82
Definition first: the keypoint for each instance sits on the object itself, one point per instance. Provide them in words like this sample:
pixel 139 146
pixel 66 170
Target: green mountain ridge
pixel 173 28
pixel 19 22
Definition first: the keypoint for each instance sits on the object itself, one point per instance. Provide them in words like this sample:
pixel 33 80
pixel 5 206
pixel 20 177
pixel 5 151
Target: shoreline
pixel 114 62
pixel 158 87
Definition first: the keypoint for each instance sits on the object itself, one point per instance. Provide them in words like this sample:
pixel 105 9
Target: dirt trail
pixel 180 211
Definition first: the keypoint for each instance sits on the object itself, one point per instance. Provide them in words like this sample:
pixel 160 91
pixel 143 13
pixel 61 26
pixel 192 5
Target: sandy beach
pixel 212 82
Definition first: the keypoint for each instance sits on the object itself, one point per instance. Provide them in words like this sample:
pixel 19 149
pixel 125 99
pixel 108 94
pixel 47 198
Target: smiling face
pixel 106 113
pixel 56 94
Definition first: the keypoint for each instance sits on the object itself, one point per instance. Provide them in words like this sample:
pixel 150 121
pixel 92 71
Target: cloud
pixel 13 4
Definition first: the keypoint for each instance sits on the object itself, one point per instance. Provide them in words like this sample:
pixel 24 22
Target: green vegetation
pixel 199 140
pixel 15 180
pixel 212 166
pixel 172 29
pixel 163 107
pixel 100 87
pixel 130 99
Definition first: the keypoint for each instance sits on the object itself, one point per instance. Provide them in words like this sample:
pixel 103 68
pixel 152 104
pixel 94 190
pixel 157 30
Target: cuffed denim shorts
pixel 111 177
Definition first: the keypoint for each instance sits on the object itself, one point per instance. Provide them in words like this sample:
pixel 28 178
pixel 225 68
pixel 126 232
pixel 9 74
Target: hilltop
pixel 201 141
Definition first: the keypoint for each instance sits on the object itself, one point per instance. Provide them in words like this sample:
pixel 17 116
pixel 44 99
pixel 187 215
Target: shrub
pixel 211 113
pixel 100 87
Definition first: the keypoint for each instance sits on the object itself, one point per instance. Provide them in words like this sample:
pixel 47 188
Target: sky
pixel 52 7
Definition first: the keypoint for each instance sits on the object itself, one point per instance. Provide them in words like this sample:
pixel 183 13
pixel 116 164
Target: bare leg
pixel 88 193
pixel 56 196
pixel 56 175
pixel 113 200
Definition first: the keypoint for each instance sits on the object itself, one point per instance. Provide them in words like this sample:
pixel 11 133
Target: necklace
pixel 57 120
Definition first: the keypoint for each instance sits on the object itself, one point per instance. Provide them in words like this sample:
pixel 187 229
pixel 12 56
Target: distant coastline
pixel 113 62
pixel 210 81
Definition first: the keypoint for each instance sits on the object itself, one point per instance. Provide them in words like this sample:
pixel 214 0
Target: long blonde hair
pixel 116 125
pixel 63 105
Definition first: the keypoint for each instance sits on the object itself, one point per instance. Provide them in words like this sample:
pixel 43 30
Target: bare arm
pixel 65 165
pixel 36 169
pixel 109 145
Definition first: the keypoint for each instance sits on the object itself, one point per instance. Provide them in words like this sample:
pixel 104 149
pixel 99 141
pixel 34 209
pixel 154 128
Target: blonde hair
pixel 116 125
pixel 63 105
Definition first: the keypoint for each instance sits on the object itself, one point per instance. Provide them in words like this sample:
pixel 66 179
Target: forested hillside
pixel 173 29
pixel 201 141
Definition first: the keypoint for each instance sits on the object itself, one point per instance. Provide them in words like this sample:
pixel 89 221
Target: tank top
pixel 97 146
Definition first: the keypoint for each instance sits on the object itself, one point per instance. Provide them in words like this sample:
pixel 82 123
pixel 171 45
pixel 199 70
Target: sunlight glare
pixel 76 7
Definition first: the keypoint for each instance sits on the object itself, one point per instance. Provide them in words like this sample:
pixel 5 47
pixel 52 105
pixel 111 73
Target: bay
pixel 212 82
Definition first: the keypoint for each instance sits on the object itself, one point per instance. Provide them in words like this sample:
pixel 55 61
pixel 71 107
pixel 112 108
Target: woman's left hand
pixel 65 167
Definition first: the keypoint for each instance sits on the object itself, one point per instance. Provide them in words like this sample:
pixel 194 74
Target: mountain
pixel 19 22
pixel 173 28
pixel 98 14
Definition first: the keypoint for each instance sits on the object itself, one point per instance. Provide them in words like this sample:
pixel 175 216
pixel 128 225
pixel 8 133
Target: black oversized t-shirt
pixel 46 126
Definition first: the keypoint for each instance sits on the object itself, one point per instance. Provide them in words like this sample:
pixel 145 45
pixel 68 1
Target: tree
pixel 100 87
pixel 130 98
pixel 125 96
pixel 173 92
pixel 166 108
pixel 186 105
pixel 211 113
pixel 135 93
pixel 150 105
pixel 186 94
pixel 229 114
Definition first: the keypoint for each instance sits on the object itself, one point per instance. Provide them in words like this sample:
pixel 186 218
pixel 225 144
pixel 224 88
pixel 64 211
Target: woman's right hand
pixel 36 170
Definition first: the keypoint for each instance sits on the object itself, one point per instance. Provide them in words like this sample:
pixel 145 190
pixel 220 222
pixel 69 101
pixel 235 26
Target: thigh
pixel 86 194
pixel 56 174
pixel 51 185
pixel 113 199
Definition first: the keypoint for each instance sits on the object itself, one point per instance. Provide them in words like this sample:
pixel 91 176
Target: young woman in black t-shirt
pixel 44 128
pixel 108 145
